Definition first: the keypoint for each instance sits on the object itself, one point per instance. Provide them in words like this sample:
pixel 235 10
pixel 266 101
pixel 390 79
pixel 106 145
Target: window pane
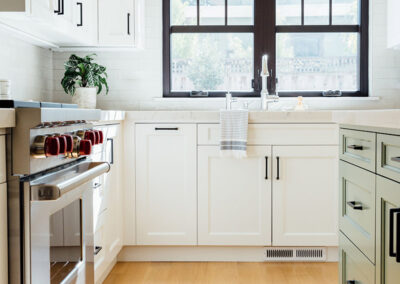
pixel 317 61
pixel 316 12
pixel 240 12
pixel 183 12
pixel 288 12
pixel 209 62
pixel 212 12
pixel 345 12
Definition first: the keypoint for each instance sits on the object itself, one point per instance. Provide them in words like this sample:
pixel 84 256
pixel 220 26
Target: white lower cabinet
pixel 3 234
pixel 234 197
pixel 166 195
pixel 305 196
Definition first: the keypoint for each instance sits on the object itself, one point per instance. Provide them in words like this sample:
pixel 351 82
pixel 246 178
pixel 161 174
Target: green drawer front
pixel 358 148
pixel 357 207
pixel 388 156
pixel 354 266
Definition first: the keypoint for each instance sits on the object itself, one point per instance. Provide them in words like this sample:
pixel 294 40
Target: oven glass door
pixel 66 243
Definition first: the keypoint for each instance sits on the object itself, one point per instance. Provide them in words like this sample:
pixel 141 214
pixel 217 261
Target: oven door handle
pixel 45 192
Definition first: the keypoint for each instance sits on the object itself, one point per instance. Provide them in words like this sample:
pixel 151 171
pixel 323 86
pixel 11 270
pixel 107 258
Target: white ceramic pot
pixel 85 97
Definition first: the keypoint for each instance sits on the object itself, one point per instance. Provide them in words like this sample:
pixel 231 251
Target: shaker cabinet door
pixel 234 204
pixel 166 195
pixel 388 232
pixel 305 196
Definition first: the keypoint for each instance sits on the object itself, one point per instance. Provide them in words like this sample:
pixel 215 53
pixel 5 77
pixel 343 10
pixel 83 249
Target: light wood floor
pixel 221 273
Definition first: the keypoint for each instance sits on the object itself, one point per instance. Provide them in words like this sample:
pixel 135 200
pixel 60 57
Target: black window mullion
pixel 226 12
pixel 302 12
pixel 212 29
pixel 198 12
pixel 318 29
pixel 330 12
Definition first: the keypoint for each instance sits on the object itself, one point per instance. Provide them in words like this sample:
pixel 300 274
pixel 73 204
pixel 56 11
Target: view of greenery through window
pixel 304 61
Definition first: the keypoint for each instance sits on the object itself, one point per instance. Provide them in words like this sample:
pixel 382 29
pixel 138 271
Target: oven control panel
pixel 69 145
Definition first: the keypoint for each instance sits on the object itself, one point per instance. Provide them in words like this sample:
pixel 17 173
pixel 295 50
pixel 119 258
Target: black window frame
pixel 265 31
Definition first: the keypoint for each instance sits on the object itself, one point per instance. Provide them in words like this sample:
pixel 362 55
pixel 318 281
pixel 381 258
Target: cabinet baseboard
pixel 202 254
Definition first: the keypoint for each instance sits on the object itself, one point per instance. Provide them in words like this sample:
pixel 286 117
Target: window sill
pixel 252 99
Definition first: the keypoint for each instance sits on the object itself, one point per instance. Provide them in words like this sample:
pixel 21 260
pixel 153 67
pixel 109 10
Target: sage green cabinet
pixel 388 156
pixel 354 267
pixel 388 200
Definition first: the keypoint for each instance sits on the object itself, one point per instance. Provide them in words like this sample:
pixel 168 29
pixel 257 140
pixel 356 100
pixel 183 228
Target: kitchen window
pixel 215 46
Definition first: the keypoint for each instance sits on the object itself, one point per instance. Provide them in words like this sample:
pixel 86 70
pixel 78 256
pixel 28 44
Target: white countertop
pixel 7 118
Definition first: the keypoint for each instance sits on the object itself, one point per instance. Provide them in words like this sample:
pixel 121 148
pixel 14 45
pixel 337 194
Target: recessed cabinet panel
pixel 357 207
pixel 354 266
pixel 305 196
pixel 388 162
pixel 166 193
pixel 3 159
pixel 3 235
pixel 116 23
pixel 234 197
pixel 358 148
pixel 388 205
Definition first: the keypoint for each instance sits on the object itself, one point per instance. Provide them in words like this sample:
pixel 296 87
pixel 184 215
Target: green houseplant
pixel 84 79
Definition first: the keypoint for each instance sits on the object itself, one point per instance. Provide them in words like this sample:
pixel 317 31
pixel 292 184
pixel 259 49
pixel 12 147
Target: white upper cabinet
pixel 305 196
pixel 393 24
pixel 116 23
pixel 234 197
pixel 166 193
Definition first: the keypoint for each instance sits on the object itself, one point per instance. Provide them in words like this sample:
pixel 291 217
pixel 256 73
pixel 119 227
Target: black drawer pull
pixel 129 23
pixel 356 147
pixel 166 128
pixel 351 282
pixel 278 176
pixel 81 16
pixel 396 159
pixel 392 253
pixel 355 205
pixel 266 168
pixel 97 250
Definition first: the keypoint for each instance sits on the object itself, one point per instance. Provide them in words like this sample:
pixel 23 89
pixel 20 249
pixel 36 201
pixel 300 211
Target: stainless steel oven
pixel 50 196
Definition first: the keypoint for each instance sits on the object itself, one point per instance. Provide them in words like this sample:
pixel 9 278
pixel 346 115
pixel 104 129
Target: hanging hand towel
pixel 234 124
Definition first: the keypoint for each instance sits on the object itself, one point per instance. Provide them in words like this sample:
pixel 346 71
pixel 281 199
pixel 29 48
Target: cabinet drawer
pixel 276 134
pixel 388 158
pixel 2 159
pixel 354 266
pixel 357 207
pixel 358 148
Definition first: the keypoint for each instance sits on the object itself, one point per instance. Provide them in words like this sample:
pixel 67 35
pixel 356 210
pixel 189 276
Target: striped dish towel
pixel 234 124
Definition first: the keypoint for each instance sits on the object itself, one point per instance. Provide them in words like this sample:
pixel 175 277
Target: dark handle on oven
pixel 356 147
pixel 97 250
pixel 112 150
pixel 266 168
pixel 392 253
pixel 81 11
pixel 355 205
pixel 166 128
pixel 277 168
pixel 58 8
pixel 129 23
pixel 61 12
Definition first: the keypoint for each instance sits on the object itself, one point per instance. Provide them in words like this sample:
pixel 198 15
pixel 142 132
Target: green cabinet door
pixel 388 200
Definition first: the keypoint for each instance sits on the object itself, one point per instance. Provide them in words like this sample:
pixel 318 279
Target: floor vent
pixel 295 254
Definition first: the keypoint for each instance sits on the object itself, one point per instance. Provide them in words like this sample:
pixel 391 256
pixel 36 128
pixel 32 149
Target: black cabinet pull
pixel 398 239
pixel 111 140
pixel 166 128
pixel 81 11
pixel 129 23
pixel 61 12
pixel 58 8
pixel 356 147
pixel 396 159
pixel 351 282
pixel 277 168
pixel 392 253
pixel 266 168
pixel 97 249
pixel 355 205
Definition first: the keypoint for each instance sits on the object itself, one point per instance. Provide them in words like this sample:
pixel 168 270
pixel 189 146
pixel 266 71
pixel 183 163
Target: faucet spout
pixel 266 97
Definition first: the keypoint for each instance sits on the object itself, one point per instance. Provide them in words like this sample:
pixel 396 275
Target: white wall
pixel 28 67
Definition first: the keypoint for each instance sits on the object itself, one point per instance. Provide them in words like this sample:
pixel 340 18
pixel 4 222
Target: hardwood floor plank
pixel 223 273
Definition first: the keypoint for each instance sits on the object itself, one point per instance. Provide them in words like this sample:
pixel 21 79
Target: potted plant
pixel 83 80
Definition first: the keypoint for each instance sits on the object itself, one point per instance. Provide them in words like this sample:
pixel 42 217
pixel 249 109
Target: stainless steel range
pixel 50 195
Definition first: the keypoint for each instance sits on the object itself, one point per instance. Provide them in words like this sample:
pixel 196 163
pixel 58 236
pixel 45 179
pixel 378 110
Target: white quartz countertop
pixel 7 118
